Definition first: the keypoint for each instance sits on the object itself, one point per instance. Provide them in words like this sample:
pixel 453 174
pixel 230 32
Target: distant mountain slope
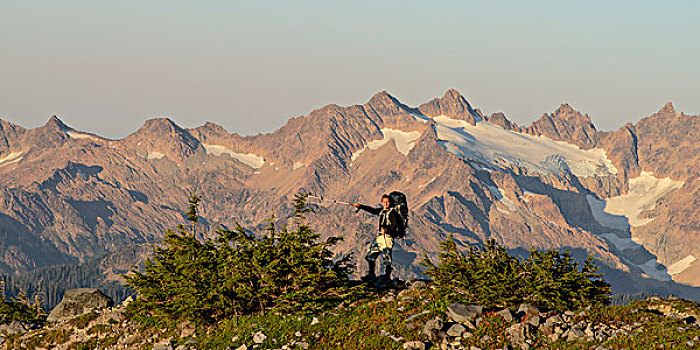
pixel 69 195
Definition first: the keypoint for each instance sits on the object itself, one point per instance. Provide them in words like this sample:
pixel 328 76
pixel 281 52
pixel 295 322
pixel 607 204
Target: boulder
pixel 461 313
pixel 533 320
pixel 79 301
pixel 518 334
pixel 506 314
pixel 259 338
pixel 456 330
pixel 527 310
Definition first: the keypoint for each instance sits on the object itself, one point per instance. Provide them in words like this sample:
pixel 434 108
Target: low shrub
pixel 490 276
pixel 20 309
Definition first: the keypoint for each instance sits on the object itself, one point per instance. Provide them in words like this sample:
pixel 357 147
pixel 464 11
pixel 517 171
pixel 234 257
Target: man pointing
pixel 389 224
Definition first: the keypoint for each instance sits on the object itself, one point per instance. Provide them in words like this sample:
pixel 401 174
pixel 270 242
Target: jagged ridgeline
pixel 68 195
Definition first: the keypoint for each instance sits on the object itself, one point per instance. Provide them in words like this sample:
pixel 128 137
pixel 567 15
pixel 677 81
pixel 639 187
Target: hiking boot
pixel 386 277
pixel 370 276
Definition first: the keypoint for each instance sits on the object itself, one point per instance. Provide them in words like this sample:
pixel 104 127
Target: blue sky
pixel 106 66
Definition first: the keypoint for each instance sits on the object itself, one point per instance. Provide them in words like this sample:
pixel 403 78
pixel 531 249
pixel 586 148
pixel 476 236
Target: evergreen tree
pixel 237 273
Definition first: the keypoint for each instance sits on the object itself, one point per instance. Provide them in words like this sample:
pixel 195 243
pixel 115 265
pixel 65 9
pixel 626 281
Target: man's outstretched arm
pixel 374 211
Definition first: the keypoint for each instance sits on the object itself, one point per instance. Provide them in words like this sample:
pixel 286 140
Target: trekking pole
pixel 320 198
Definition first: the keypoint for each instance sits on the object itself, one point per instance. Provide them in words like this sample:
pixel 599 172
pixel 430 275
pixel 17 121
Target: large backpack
pixel 401 206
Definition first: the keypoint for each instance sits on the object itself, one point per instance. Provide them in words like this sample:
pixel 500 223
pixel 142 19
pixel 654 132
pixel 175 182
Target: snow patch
pixel 298 165
pixel 13 157
pixel 644 191
pixel 681 265
pixel 252 160
pixel 80 135
pixel 599 209
pixel 598 206
pixel 493 144
pixel 155 155
pixel 655 270
pixel 509 203
pixel 496 192
pixel 620 243
pixel 651 267
pixel 404 141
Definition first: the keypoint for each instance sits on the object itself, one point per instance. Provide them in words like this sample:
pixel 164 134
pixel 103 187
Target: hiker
pixel 390 226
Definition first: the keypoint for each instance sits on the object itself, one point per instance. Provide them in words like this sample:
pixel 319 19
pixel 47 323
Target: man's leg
pixel 371 258
pixel 386 244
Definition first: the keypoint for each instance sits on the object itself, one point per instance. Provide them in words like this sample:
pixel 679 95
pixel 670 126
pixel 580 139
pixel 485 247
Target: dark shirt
pixel 389 219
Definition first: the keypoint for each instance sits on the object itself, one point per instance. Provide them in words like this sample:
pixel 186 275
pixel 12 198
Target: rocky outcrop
pixel 565 124
pixel 452 105
pixel 77 302
pixel 501 120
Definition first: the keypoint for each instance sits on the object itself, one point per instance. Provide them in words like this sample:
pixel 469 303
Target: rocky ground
pixel 405 316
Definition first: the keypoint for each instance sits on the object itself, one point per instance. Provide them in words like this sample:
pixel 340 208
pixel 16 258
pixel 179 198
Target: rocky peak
pixel 452 105
pixel 566 124
pixel 50 135
pixel 501 120
pixel 9 131
pixel 565 111
pixel 386 105
pixel 56 124
pixel 383 98
pixel 162 135
pixel 668 109
pixel 160 125
pixel 565 108
pixel 209 131
pixel 164 127
pixel 214 128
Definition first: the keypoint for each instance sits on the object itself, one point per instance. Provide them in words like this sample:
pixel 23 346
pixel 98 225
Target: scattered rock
pixel 460 312
pixel 575 334
pixel 79 301
pixel 433 325
pixel 506 314
pixel 414 345
pixel 417 284
pixel 547 328
pixel 527 310
pixel 259 337
pixel 456 330
pixel 556 319
pixel 533 320
pixel 518 333
pixel 432 328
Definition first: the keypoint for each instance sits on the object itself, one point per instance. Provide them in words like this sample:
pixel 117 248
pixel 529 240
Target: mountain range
pixel 628 197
